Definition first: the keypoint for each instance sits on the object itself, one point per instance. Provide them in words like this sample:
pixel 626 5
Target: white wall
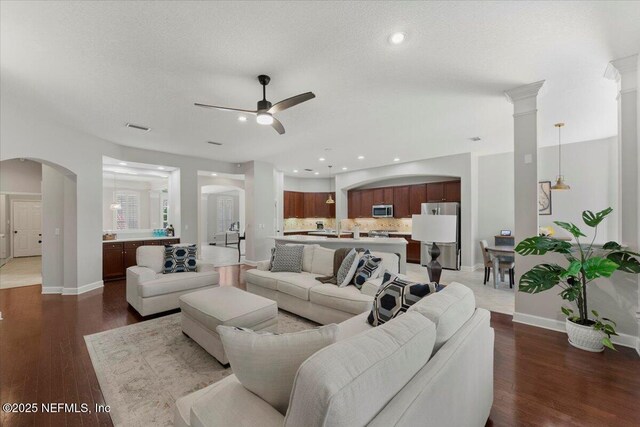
pixel 308 185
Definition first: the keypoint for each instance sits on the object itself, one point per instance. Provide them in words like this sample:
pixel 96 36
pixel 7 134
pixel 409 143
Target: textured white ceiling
pixel 98 65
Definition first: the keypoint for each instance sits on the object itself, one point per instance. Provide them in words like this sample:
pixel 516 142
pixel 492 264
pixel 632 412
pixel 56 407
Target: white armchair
pixel 151 291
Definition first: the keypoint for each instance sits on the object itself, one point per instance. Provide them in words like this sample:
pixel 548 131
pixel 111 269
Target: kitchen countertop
pixel 324 239
pixel 329 233
pixel 135 239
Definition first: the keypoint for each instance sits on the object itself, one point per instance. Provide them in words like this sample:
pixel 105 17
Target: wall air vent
pixel 142 128
pixel 214 143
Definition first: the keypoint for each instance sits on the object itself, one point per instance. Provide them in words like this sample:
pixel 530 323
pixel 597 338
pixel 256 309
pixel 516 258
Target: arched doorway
pixel 39 210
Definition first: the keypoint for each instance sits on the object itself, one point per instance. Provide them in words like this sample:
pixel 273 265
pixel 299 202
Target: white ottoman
pixel 203 310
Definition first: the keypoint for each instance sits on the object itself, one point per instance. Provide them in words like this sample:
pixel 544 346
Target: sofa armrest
pixel 202 266
pixel 370 287
pixel 263 265
pixel 140 274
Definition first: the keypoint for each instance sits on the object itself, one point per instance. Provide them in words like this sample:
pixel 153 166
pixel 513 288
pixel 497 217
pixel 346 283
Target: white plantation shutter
pixel 225 213
pixel 129 216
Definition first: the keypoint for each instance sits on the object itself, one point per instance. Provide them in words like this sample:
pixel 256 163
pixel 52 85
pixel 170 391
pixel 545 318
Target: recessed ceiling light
pixel 160 168
pixel 316 173
pixel 214 174
pixel 295 171
pixel 397 159
pixel 122 164
pixel 242 118
pixel 397 38
pixel 360 157
pixel 321 159
pixel 138 127
pixel 344 168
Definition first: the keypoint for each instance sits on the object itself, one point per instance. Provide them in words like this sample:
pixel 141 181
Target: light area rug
pixel 143 368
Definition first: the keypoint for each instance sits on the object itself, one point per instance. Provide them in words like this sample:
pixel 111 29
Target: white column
pixel 625 72
pixel 525 163
pixel 260 206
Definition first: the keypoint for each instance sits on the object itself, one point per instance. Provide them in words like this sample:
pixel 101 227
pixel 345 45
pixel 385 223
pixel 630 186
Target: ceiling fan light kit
pixel 265 110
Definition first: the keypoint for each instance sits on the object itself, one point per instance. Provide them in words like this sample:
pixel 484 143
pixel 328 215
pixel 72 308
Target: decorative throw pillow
pixel 179 259
pixel 273 256
pixel 347 269
pixel 288 258
pixel 266 364
pixel 395 296
pixel 368 268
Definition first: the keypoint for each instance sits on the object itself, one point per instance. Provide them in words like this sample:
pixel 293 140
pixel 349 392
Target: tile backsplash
pixel 366 224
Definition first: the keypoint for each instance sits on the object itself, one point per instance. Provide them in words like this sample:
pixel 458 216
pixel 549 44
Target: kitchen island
pixel 396 245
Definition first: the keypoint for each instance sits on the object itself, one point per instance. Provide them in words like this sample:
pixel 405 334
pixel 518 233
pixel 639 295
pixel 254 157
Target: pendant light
pixel 115 206
pixel 560 184
pixel 330 200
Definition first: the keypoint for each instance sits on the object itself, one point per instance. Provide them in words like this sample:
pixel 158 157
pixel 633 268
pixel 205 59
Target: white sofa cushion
pixel 267 279
pixel 266 364
pixel 353 326
pixel 322 261
pixel 449 309
pixel 390 262
pixel 297 285
pixel 348 299
pixel 151 257
pixel 228 403
pixel 349 382
pixel 226 304
pixel 177 282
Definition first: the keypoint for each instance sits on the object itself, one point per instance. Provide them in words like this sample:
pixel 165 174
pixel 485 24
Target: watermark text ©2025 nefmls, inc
pixel 54 407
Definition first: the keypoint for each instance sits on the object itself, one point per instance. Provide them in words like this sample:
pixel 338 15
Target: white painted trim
pixel 522 92
pixel 624 340
pixel 56 290
pixel 469 269
pixel 19 193
pixel 84 288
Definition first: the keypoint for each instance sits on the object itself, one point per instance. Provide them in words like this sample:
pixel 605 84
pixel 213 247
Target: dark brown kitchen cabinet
pixel 435 192
pixel 417 196
pixel 366 203
pixel 401 202
pixel 452 191
pixel 118 256
pixel 413 251
pixel 355 202
pixel 297 204
pixel 293 204
pixel 309 200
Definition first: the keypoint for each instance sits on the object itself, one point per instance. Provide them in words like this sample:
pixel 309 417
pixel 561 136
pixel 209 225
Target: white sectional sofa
pixel 432 366
pixel 302 294
pixel 150 291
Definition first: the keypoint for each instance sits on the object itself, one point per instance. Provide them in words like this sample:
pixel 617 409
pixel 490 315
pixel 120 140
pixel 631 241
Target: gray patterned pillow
pixel 288 258
pixel 347 269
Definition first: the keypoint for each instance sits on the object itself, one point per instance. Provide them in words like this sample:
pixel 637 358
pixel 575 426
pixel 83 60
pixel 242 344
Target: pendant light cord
pixel 559 152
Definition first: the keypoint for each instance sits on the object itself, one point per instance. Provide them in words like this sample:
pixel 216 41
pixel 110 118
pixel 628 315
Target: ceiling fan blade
pixel 277 126
pixel 225 108
pixel 290 102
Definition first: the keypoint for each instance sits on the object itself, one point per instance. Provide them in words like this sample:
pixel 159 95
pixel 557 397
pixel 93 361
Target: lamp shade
pixel 434 228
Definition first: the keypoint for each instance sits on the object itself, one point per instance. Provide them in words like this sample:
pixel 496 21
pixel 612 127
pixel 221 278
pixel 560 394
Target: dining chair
pixel 506 264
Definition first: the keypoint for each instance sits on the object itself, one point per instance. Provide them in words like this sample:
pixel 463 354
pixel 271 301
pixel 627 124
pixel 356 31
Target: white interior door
pixel 27 228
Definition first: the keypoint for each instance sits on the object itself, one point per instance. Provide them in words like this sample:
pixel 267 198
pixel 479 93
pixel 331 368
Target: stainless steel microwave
pixel 382 211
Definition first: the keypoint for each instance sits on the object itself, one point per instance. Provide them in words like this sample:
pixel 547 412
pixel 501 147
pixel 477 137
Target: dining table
pixel 495 253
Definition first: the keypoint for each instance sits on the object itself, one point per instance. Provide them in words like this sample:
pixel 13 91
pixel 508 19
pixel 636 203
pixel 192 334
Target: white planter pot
pixel 584 337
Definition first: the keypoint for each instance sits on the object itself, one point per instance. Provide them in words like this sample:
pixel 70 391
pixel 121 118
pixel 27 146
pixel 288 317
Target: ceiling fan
pixel 265 111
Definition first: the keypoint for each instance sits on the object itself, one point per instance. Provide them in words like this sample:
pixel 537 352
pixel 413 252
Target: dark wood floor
pixel 539 379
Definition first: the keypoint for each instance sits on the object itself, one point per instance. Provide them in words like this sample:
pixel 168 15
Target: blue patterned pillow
pixel 367 269
pixel 179 259
pixel 395 296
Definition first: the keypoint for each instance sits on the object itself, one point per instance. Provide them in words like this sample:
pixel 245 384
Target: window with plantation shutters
pixel 128 216
pixel 225 213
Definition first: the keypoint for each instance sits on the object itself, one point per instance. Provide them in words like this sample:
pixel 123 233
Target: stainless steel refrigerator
pixel 449 252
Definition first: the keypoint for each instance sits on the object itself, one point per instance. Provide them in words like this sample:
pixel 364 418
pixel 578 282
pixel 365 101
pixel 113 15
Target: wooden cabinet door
pixel 435 192
pixel 321 207
pixel 378 196
pixel 309 200
pixel 332 207
pixel 287 202
pixel 355 203
pixel 387 196
pixel 413 251
pixel 112 261
pixel 401 202
pixel 452 191
pixel 130 249
pixel 417 196
pixel 298 205
pixel 366 203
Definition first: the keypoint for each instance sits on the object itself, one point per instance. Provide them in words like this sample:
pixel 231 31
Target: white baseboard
pixel 624 340
pixel 469 269
pixel 52 290
pixel 84 288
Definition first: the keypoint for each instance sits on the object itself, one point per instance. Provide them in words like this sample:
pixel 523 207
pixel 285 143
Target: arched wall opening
pixel 58 224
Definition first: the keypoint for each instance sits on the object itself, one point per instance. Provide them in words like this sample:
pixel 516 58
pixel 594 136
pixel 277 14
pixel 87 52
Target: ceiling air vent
pixel 309 170
pixel 143 128
pixel 475 139
pixel 214 143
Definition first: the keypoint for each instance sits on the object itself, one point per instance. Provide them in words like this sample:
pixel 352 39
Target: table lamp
pixel 434 228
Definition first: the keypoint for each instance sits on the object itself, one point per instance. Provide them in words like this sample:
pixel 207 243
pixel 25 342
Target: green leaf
pixel 571 228
pixel 611 246
pixel 567 311
pixel 572 270
pixel 607 343
pixel 540 278
pixel 609 320
pixel 593 219
pixel 571 293
pixel 539 245
pixel 595 313
pixel 598 267
pixel 625 261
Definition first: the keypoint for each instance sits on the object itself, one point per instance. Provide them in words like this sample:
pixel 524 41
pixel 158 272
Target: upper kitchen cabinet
pixel 366 204
pixel 435 192
pixel 417 196
pixel 293 205
pixel 443 191
pixel 401 202
pixel 309 205
pixel 354 200
pixel 383 196
pixel 452 191
pixel 297 204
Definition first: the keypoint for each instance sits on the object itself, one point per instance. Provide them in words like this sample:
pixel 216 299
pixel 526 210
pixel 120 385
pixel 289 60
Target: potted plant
pixel 587 262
